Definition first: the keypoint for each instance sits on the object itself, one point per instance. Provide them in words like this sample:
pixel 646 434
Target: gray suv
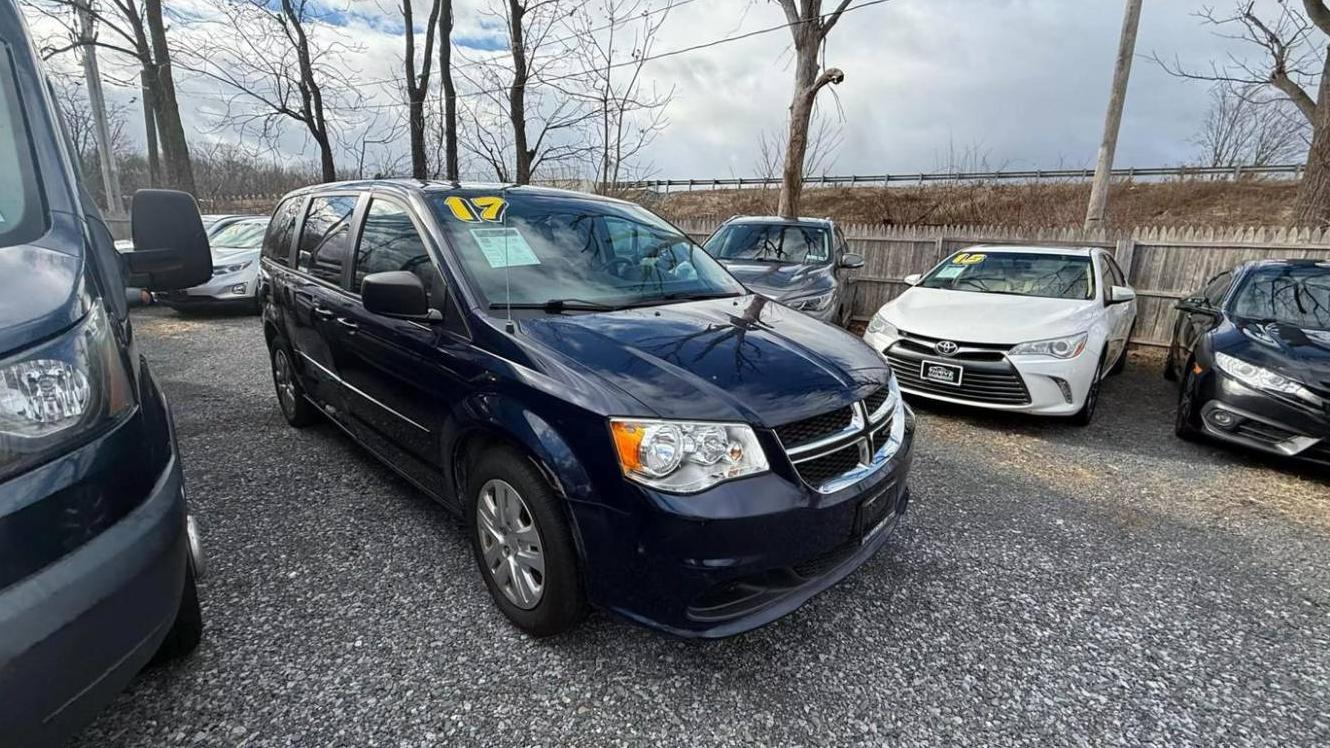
pixel 801 263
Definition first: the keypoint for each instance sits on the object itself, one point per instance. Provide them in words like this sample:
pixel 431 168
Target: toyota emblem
pixel 945 348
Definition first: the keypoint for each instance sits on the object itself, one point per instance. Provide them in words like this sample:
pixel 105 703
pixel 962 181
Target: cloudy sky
pixel 1017 83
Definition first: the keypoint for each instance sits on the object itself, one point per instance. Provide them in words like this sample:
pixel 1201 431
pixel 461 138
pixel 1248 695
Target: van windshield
pixel 22 209
pixel 567 252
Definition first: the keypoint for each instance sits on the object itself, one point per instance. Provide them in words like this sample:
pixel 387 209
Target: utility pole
pixel 97 103
pixel 1094 215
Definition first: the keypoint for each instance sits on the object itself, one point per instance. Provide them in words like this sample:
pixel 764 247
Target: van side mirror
pixel 913 279
pixel 1120 295
pixel 851 260
pixel 397 293
pixel 170 246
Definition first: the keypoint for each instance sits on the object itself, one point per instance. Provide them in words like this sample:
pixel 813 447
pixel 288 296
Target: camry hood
pixel 782 280
pixel 971 317
pixel 41 293
pixel 1296 352
pixel 741 359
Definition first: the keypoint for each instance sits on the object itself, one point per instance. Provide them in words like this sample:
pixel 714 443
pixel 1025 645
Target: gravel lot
pixel 1050 585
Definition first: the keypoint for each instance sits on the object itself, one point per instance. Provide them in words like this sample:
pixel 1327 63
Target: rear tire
pixel 187 629
pixel 297 410
pixel 508 544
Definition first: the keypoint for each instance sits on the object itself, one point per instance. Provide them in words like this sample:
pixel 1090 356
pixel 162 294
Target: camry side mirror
pixel 851 260
pixel 396 293
pixel 1120 295
pixel 170 246
pixel 913 279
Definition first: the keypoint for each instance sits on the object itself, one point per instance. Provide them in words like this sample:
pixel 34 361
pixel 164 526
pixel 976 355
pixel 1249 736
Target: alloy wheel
pixel 282 377
pixel 510 544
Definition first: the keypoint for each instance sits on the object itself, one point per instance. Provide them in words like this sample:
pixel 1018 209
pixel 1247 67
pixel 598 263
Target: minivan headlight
pixel 814 303
pixel 1261 378
pixel 1070 346
pixel 685 456
pixel 64 390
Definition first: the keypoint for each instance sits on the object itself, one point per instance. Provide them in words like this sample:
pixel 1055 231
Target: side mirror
pixel 170 246
pixel 1120 295
pixel 913 279
pixel 1195 305
pixel 851 260
pixel 396 293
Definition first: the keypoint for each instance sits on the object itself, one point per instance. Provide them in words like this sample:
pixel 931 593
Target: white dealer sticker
pixel 504 248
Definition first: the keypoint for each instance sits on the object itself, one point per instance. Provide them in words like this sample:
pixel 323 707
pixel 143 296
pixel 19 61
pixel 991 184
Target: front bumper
pixel 1022 384
pixel 1233 412
pixel 741 554
pixel 239 287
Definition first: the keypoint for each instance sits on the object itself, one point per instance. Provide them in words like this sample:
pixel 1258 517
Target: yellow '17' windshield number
pixel 484 208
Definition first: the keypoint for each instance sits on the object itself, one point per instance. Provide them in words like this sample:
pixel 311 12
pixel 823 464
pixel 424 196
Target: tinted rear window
pixel 22 205
pixel 325 240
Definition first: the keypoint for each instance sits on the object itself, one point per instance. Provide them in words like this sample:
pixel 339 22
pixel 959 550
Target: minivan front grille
pixel 820 470
pixel 809 430
pixel 832 444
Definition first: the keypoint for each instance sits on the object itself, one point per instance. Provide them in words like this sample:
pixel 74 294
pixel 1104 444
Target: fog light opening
pixel 238 288
pixel 1066 389
pixel 1223 419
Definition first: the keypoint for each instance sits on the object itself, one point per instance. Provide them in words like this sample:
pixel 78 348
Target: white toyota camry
pixel 1030 329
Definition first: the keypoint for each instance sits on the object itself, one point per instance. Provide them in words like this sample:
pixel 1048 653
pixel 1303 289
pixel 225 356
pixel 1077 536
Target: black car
pixel 618 420
pixel 98 556
pixel 1252 353
pixel 801 263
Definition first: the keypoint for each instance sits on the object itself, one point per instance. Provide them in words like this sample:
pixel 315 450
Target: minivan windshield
pixel 1297 295
pixel 770 242
pixel 1015 273
pixel 22 209
pixel 564 252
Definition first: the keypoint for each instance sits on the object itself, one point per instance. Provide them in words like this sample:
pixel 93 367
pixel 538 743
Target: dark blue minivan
pixel 97 554
pixel 619 421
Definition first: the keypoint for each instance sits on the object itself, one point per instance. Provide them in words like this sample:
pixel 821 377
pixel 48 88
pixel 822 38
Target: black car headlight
pixel 1260 378
pixel 61 392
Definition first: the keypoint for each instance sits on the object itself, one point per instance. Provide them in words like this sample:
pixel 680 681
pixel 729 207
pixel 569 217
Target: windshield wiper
pixel 685 296
pixel 556 306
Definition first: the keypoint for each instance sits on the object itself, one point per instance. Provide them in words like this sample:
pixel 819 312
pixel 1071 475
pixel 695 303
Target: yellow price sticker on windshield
pixel 484 208
pixel 968 258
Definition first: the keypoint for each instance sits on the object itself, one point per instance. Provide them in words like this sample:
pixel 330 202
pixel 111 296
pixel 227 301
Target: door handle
pixel 348 324
pixel 322 312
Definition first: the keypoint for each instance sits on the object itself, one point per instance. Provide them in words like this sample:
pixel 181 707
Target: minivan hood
pixel 971 317
pixel 1295 352
pixel 781 280
pixel 41 293
pixel 741 359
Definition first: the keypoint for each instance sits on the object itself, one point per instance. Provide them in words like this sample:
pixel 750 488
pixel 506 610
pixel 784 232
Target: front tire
pixel 1184 421
pixel 1085 415
pixel 522 544
pixel 187 629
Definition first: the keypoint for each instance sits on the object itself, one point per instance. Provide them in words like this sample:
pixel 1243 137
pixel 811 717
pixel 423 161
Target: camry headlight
pixel 1068 347
pixel 232 268
pixel 685 456
pixel 63 390
pixel 814 303
pixel 1260 378
pixel 879 325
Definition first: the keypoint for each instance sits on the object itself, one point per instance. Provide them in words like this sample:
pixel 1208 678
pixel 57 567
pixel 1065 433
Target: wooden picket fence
pixel 1163 264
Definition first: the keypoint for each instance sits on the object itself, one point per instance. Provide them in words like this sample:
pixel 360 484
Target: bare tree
pixel 449 126
pixel 372 148
pixel 275 58
pixel 809 28
pixel 417 83
pixel 628 116
pixel 824 140
pixel 138 32
pixel 77 114
pixel 1246 127
pixel 1292 61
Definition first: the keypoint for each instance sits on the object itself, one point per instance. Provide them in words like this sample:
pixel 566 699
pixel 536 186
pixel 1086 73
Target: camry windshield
pixel 1015 273
pixel 558 251
pixel 240 235
pixel 1297 295
pixel 770 242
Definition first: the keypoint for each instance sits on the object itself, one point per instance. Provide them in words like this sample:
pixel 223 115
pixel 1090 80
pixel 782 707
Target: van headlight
pixel 1070 346
pixel 1261 378
pixel 685 456
pixel 814 303
pixel 65 390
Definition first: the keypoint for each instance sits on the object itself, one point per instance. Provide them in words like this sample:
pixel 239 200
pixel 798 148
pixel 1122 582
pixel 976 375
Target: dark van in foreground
pixel 618 419
pixel 1251 352
pixel 97 554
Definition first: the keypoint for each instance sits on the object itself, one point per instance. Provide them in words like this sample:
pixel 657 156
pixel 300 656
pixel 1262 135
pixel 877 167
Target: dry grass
pixel 1202 203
